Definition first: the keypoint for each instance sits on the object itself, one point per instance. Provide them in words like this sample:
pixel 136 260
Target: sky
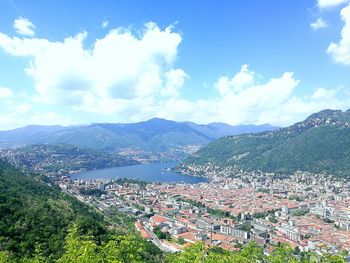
pixel 77 62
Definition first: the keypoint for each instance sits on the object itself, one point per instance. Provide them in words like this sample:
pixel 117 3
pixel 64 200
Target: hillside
pixel 53 159
pixel 39 223
pixel 35 214
pixel 152 136
pixel 319 144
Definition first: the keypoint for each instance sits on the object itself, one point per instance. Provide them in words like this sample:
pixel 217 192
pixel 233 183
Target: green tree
pixel 37 256
pixel 123 249
pixel 79 249
pixel 4 257
pixel 181 240
pixel 332 259
pixel 282 254
pixel 193 254
pixel 252 252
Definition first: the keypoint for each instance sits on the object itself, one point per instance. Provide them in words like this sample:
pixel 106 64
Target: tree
pixel 181 240
pixel 37 256
pixel 273 219
pixel 282 254
pixel 332 259
pixel 80 249
pixel 252 252
pixel 193 254
pixel 4 257
pixel 123 249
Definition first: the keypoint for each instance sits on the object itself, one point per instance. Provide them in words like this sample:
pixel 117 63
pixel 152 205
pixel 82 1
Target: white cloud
pixel 111 76
pixel 175 79
pixel 340 51
pixel 24 27
pixel 104 24
pixel 330 3
pixel 318 24
pixel 245 100
pixel 131 77
pixel 15 113
pixel 23 108
pixel 5 92
pixel 248 101
pixel 237 83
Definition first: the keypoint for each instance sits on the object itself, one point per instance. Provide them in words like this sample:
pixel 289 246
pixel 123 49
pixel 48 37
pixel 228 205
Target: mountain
pixel 216 130
pixel 155 135
pixel 53 159
pixel 319 144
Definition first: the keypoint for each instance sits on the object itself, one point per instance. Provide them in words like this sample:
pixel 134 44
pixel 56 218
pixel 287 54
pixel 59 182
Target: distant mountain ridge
pixel 154 135
pixel 319 144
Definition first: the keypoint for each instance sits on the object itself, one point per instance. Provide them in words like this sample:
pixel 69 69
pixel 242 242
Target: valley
pixel 230 204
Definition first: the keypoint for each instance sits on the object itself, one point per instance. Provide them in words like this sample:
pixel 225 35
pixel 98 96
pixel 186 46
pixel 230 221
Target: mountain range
pixel 155 135
pixel 319 144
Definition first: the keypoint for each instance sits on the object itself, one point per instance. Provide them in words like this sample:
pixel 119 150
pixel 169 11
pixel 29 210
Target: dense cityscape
pixel 309 212
pixel 174 131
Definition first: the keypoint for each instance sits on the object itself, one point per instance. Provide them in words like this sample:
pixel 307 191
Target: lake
pixel 150 172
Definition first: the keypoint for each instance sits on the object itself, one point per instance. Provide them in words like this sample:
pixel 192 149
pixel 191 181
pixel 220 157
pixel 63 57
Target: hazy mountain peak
pixel 154 135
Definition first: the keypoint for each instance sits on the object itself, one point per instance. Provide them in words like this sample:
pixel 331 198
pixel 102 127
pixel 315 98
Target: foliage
pixel 59 158
pixel 126 248
pixel 320 144
pixel 282 254
pixel 246 227
pixel 273 219
pixel 250 253
pixel 181 240
pixel 34 214
pixel 300 212
pixel 259 215
pixel 36 226
pixel 160 234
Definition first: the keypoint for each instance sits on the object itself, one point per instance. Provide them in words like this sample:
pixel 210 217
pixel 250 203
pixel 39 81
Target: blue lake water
pixel 151 172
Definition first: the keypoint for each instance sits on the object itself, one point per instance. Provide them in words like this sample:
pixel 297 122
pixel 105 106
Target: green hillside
pixel 35 214
pixel 53 159
pixel 319 144
pixel 39 223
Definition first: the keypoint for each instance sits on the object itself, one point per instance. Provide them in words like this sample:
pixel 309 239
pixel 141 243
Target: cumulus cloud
pixel 318 24
pixel 5 92
pixel 115 73
pixel 175 79
pixel 127 76
pixel 24 27
pixel 340 51
pixel 241 98
pixel 330 3
pixel 17 113
pixel 238 82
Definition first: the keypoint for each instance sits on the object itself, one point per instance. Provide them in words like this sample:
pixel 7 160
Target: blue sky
pixel 76 62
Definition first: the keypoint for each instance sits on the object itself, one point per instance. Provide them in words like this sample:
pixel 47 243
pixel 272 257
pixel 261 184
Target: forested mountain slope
pixel 319 144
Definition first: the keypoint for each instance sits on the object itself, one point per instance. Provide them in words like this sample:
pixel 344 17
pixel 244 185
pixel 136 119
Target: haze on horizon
pixel 73 62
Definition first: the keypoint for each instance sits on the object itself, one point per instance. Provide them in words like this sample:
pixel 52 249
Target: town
pixel 307 211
